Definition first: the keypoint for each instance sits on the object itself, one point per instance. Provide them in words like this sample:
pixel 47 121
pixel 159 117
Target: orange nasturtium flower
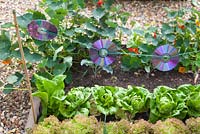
pixel 7 61
pixel 134 50
pixel 20 62
pixel 181 69
pixel 182 27
pixel 197 22
pixel 174 42
pixel 100 3
pixel 154 35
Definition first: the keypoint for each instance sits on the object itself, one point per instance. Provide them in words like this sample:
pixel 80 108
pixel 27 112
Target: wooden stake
pixel 24 64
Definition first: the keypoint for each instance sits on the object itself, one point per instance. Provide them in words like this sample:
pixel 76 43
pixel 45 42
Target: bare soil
pixel 123 79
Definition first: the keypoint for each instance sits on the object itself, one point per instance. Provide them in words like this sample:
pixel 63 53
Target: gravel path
pixel 6 7
pixel 146 12
pixel 14 107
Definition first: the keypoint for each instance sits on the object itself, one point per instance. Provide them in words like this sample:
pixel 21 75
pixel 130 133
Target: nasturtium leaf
pixel 170 37
pixel 50 63
pixel 33 58
pixel 56 52
pixel 147 69
pixel 59 68
pixel 11 79
pixel 68 79
pixel 98 13
pixel 130 63
pixel 68 61
pixel 4 49
pixel 81 3
pixel 19 78
pixel 55 21
pixel 108 69
pixel 38 15
pixel 125 30
pixel 50 12
pixel 24 20
pixel 7 25
pixel 112 24
pixel 167 29
pixel 39 43
pixel 8 89
pixel 70 32
pixel 55 5
pixel 90 27
pixel 5 46
pixel 108 4
pixel 110 32
pixel 86 62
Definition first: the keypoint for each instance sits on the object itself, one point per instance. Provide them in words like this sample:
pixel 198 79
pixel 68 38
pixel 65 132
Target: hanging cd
pixel 103 52
pixel 165 58
pixel 42 30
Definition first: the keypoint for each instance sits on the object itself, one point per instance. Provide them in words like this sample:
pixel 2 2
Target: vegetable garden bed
pixel 70 48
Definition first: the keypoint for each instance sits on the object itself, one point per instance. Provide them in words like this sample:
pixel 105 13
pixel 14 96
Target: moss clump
pixel 170 126
pixel 140 127
pixel 194 125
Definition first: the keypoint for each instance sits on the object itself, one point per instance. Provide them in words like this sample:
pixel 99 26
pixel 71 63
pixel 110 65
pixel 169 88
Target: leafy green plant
pixel 166 103
pixel 50 125
pixel 141 127
pixel 194 125
pixel 118 127
pixel 105 100
pixel 193 102
pixel 134 100
pixel 95 68
pixel 172 126
pixel 49 91
pixel 75 102
pixel 80 125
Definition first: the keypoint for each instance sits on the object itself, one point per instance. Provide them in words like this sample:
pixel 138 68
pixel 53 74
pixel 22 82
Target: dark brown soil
pixel 123 79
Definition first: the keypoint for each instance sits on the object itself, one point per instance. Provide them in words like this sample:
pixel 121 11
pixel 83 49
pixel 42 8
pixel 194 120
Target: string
pixel 12 88
pixel 145 55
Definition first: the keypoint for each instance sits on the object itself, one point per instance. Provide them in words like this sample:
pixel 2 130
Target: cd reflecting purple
pixel 42 30
pixel 103 52
pixel 165 58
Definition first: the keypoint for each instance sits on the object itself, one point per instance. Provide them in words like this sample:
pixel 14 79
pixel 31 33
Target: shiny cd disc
pixel 102 52
pixel 165 58
pixel 42 30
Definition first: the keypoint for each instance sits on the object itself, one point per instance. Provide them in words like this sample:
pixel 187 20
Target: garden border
pixel 30 120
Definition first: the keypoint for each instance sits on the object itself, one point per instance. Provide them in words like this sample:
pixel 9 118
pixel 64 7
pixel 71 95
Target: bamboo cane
pixel 24 64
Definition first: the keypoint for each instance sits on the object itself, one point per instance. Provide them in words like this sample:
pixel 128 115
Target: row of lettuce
pixel 79 28
pixel 123 103
pixel 89 125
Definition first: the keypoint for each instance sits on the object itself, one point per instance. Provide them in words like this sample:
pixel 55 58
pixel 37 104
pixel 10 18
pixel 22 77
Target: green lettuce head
pixel 105 100
pixel 166 103
pixel 193 102
pixel 134 100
